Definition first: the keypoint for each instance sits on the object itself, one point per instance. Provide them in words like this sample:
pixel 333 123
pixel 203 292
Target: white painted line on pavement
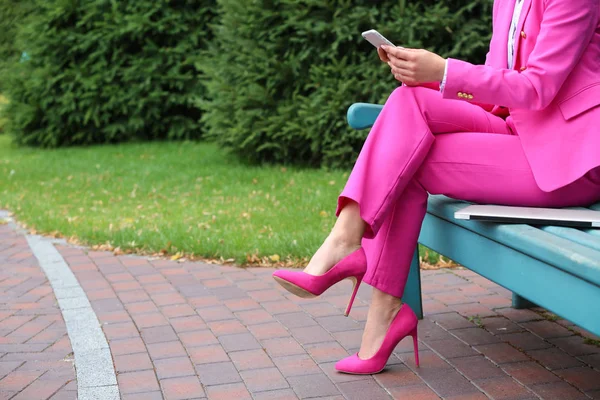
pixel 96 377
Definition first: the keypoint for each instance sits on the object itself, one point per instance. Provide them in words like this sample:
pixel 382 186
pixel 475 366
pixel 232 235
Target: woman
pixel 523 130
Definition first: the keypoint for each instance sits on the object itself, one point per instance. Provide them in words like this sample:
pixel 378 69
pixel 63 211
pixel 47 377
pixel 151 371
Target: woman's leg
pixel 476 167
pixel 394 150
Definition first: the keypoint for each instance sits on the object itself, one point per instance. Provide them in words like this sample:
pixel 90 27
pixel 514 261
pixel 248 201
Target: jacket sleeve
pixel 566 30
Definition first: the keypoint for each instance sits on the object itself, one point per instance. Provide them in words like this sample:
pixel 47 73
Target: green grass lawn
pixel 187 198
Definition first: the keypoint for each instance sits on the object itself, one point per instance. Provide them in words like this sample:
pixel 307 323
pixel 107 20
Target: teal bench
pixel 554 267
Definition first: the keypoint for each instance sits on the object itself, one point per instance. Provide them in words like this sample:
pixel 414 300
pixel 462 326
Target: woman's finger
pixel 399 52
pixel 383 56
pixel 398 63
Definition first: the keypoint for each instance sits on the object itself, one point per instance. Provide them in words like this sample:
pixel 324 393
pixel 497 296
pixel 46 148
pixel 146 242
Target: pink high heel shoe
pixel 353 266
pixel 404 324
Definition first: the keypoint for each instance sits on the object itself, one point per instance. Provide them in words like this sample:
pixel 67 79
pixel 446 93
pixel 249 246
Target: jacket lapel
pixel 518 39
pixel 501 29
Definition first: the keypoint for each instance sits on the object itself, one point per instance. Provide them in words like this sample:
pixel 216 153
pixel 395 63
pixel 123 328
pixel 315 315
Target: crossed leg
pixel 423 144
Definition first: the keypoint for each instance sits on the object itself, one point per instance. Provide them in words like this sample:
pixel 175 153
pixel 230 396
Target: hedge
pixel 106 71
pixel 281 73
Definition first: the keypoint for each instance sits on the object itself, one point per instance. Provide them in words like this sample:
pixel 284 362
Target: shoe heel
pixel 416 345
pixel 357 281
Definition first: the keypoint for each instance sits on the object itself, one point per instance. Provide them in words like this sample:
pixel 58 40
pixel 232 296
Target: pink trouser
pixel 424 144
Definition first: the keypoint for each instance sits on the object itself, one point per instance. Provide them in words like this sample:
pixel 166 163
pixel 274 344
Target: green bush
pixel 105 71
pixel 282 73
pixel 12 14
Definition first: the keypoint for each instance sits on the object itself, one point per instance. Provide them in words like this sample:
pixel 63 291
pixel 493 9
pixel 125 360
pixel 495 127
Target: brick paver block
pixel 311 334
pixel 317 385
pixel 359 390
pixel 296 365
pixel 583 378
pixel 207 354
pixel 476 336
pixel 337 323
pixel 451 321
pixel 141 307
pixel 186 324
pixel 592 360
pixel 159 351
pixel 281 307
pixel 252 317
pixel 182 388
pixel 149 320
pixel 198 338
pixel 520 315
pixel 228 392
pixel 132 362
pixel 218 373
pixel 239 342
pixel 241 304
pixel 282 394
pixel 216 313
pixel 285 346
pixel 269 331
pixel 326 352
pixel 477 368
pixel 558 390
pixel 575 346
pixel 396 375
pixel 229 327
pixel 296 320
pixel 451 348
pixel 525 341
pixel 158 334
pixel 127 346
pixel 18 380
pixel 416 392
pixel 502 353
pixel 176 367
pixel 250 359
pixel 137 382
pixel 351 340
pixel 530 373
pixel 259 380
pixel 446 382
pixel 504 388
pixel 553 358
pixel 547 329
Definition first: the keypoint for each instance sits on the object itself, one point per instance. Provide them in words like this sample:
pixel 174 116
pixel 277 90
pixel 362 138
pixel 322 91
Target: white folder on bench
pixel 531 215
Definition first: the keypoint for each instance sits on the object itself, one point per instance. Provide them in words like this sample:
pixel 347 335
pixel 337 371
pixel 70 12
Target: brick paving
pixel 189 330
pixel 36 360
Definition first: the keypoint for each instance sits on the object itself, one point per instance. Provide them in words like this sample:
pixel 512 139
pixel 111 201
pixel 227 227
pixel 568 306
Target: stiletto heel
pixel 353 266
pixel 357 282
pixel 416 346
pixel 403 325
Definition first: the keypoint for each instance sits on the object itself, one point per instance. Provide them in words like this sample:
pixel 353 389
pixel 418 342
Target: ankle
pixel 343 241
pixel 386 302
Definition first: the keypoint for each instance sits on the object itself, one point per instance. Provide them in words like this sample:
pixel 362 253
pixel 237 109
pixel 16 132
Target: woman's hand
pixel 413 66
pixel 383 55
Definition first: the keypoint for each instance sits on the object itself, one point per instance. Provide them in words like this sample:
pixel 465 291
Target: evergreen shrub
pixel 282 73
pixel 13 13
pixel 106 71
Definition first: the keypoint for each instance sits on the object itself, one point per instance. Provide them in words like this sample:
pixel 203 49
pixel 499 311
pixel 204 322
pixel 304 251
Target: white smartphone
pixel 376 38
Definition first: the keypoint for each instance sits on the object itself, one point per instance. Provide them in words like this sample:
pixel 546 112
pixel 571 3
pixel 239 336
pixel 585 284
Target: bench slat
pixel 575 235
pixel 574 258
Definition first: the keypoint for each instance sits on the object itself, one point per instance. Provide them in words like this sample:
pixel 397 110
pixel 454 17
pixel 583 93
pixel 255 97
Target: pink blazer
pixel 553 92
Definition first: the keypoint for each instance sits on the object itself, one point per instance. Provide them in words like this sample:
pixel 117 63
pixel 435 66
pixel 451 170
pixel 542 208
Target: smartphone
pixel 376 38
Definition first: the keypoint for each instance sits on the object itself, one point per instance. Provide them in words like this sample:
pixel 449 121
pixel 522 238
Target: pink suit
pixel 546 153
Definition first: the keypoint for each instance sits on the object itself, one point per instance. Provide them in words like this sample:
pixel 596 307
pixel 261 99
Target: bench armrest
pixel 363 115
